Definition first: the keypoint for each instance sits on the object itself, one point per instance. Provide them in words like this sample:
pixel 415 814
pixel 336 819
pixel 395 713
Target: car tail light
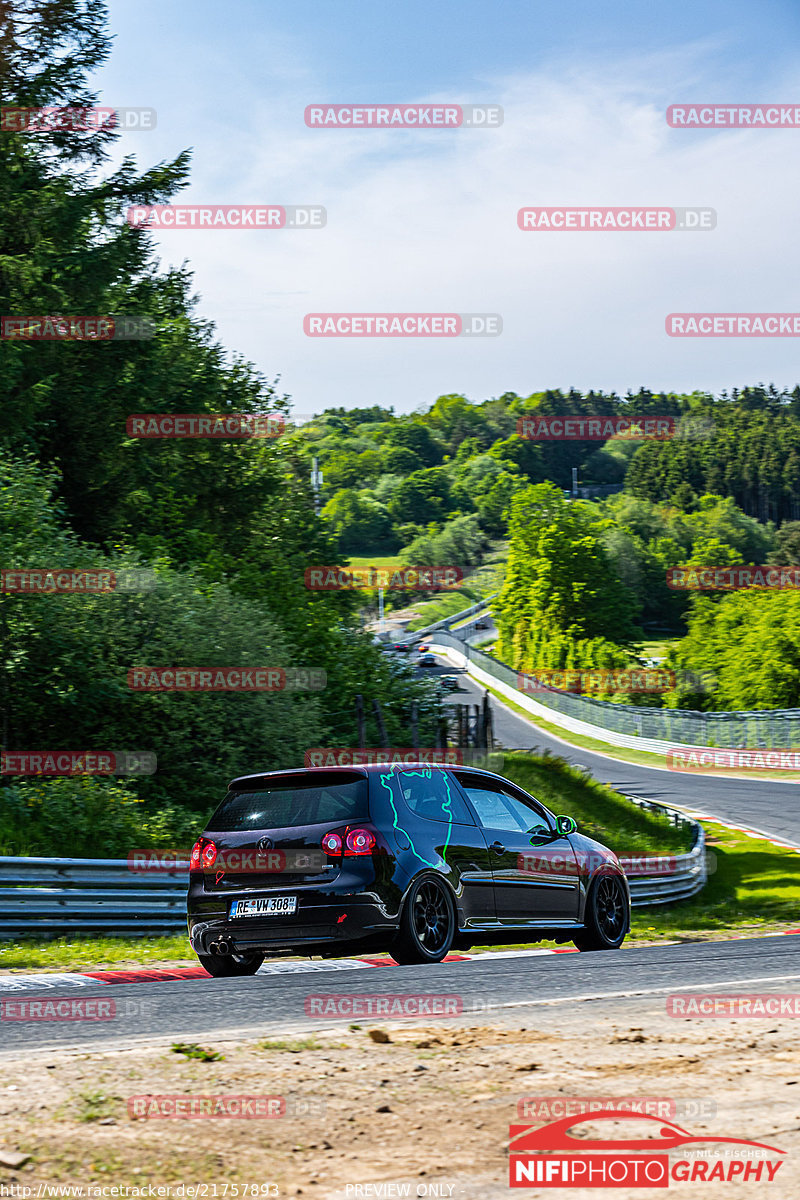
pixel 359 841
pixel 197 850
pixel 209 854
pixel 350 842
pixel 332 845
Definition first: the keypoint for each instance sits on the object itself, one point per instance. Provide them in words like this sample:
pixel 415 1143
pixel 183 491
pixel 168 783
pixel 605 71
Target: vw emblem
pixel 265 843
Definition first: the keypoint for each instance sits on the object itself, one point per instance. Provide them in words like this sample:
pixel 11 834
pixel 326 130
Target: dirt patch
pixel 430 1108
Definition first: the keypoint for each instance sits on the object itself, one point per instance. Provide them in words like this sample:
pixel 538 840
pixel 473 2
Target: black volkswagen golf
pixel 416 860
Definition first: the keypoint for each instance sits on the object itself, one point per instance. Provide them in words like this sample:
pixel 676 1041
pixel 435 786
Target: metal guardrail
pixel 86 895
pixel 447 622
pixel 646 728
pixel 415 635
pixel 673 877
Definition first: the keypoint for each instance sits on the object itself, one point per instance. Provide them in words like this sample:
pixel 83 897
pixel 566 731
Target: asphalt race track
pixel 772 808
pixel 492 989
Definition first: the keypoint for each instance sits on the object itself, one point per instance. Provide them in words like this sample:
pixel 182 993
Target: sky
pixel 426 221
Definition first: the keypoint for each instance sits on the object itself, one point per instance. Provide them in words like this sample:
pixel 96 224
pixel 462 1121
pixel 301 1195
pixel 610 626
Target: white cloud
pixel 427 222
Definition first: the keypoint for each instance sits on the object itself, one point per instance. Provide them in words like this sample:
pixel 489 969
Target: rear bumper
pixel 318 922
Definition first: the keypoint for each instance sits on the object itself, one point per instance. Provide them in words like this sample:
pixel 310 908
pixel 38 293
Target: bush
pixel 88 817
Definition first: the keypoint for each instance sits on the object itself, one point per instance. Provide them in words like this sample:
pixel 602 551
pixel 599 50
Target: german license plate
pixel 272 906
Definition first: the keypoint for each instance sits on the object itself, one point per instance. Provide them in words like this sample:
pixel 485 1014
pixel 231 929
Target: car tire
pixel 427 924
pixel 606 919
pixel 223 966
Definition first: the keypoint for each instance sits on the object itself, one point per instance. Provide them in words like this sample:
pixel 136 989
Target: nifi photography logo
pixel 550 1156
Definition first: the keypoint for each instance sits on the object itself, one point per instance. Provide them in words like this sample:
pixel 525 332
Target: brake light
pixel 197 849
pixel 359 841
pixel 209 854
pixel 350 843
pixel 332 844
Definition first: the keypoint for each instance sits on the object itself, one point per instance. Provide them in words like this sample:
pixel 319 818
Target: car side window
pixel 431 793
pixel 498 808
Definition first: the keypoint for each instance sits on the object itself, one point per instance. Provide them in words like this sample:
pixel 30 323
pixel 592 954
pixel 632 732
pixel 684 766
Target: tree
pixel 359 522
pixel 560 589
pixel 424 496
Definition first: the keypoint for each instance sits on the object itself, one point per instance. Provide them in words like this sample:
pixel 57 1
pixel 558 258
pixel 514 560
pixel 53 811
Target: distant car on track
pixel 450 683
pixel 482 625
pixel 411 859
pixel 403 647
pixel 427 660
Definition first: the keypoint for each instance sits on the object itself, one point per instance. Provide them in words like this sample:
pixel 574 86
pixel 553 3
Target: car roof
pixel 363 768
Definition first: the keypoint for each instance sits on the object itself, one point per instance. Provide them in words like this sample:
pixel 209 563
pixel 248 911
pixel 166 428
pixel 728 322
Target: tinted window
pixel 432 794
pixel 291 804
pixel 498 808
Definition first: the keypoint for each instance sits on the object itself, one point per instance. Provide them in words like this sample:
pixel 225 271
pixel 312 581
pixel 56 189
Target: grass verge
pixel 95 953
pixel 442 606
pixel 600 812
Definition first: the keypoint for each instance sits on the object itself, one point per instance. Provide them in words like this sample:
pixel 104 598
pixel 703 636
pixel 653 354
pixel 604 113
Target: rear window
pixel 293 802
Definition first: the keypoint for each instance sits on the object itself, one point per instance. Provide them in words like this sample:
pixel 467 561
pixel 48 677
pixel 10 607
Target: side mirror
pixel 565 825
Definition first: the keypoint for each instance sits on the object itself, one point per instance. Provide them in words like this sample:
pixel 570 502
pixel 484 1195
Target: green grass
pixel 754 884
pixel 600 812
pixel 659 648
pixel 293 1047
pixel 363 562
pixel 92 953
pixel 95 1106
pixel 192 1050
pixel 443 606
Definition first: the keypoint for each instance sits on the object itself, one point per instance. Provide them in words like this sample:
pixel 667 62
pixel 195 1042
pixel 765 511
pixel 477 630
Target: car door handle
pixel 498 847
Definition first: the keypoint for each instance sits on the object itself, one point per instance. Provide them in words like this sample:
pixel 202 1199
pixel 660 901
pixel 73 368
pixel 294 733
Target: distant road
pixel 772 808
